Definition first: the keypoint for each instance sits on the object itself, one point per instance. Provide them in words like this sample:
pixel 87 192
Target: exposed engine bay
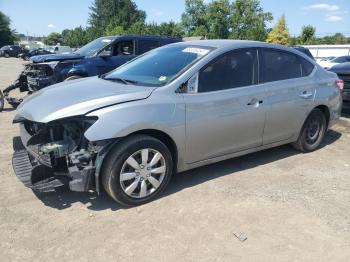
pixel 61 147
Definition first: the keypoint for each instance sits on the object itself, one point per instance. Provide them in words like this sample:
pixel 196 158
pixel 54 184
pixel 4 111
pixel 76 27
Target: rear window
pixel 307 67
pixel 146 45
pixel 279 65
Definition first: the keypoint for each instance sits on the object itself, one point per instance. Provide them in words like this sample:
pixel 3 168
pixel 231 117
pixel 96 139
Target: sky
pixel 41 17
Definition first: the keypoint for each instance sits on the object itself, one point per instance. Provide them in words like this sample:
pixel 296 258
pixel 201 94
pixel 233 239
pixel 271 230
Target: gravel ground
pixel 275 205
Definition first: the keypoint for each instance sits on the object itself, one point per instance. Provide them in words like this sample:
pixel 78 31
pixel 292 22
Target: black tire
pixel 7 55
pixel 114 162
pixel 73 78
pixel 313 132
pixel 27 58
pixel 2 101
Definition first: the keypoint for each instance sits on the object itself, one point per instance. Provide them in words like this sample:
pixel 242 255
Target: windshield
pixel 93 47
pixel 160 66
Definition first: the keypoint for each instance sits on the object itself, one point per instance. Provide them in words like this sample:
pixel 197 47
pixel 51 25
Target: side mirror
pixel 105 53
pixel 191 86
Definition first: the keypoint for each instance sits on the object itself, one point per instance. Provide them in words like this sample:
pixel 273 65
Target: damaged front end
pixel 33 78
pixel 57 153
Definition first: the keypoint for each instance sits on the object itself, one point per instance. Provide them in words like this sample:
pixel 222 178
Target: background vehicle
pixel 10 51
pixel 28 54
pixel 96 58
pixel 60 49
pixel 175 108
pixel 343 72
pixel 338 60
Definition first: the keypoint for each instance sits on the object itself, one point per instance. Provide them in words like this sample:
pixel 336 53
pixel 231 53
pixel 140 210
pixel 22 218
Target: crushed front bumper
pixel 34 172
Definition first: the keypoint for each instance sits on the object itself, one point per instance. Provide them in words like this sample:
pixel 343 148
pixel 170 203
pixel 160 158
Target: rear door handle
pixel 306 95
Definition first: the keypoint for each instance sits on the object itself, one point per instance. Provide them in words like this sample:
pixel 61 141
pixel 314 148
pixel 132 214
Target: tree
pixel 53 39
pixel 113 13
pixel 194 20
pixel 74 38
pixel 307 34
pixel 219 13
pixel 280 33
pixel 248 20
pixel 7 36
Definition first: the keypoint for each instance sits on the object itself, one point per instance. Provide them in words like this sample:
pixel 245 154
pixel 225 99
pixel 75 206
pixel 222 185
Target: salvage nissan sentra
pixel 172 109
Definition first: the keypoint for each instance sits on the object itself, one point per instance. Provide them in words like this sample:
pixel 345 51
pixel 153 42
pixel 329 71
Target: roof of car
pixel 233 44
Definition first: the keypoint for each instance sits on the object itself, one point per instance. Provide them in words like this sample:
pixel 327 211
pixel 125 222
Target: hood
pixel 78 97
pixel 55 57
pixel 342 69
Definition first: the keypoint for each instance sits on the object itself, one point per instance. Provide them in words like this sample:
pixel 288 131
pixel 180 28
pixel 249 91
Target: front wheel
pixel 7 55
pixel 313 132
pixel 2 101
pixel 137 170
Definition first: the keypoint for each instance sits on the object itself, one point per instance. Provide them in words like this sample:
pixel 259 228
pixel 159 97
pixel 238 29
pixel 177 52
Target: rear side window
pixel 235 69
pixel 307 67
pixel 146 45
pixel 278 65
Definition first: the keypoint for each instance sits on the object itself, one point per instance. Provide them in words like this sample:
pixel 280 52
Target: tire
pixel 73 78
pixel 129 186
pixel 7 55
pixel 2 101
pixel 312 133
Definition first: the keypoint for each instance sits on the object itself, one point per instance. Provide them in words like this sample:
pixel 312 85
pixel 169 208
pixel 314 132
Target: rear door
pixel 290 91
pixel 226 113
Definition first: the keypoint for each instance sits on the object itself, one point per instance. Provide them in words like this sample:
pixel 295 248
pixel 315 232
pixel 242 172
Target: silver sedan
pixel 172 109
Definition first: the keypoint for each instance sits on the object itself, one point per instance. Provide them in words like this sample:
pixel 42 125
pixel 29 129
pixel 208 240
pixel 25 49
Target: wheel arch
pixel 326 112
pixel 164 138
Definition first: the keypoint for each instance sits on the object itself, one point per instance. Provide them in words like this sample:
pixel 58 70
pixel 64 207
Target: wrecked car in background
pixel 96 58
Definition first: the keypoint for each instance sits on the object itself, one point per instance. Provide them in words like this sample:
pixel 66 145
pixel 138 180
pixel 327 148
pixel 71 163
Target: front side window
pixel 278 65
pixel 160 66
pixel 124 48
pixel 235 69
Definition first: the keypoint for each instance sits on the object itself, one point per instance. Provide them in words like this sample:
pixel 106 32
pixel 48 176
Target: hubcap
pixel 142 173
pixel 313 130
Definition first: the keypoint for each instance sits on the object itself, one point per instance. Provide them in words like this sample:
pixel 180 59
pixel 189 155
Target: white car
pixel 330 63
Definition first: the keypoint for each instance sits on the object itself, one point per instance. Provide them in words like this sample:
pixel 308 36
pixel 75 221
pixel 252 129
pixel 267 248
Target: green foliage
pixel 108 14
pixel 219 19
pixel 307 35
pixel 53 39
pixel 241 19
pixel 75 37
pixel 279 33
pixel 7 36
pixel 195 19
pixel 249 20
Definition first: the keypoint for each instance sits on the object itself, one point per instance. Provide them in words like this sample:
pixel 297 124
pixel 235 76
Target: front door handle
pixel 255 102
pixel 306 95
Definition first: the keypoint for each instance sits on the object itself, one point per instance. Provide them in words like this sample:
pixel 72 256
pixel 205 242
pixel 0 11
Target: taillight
pixel 340 84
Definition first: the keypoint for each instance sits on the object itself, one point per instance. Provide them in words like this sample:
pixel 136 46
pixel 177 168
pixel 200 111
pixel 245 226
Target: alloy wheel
pixel 142 173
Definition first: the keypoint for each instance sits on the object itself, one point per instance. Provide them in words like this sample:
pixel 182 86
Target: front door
pixel 226 112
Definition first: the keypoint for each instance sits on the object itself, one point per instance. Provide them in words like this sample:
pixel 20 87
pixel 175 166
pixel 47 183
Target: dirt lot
pixel 290 206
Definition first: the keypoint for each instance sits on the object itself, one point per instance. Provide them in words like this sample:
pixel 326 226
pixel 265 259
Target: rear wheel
pixel 313 132
pixel 137 170
pixel 2 101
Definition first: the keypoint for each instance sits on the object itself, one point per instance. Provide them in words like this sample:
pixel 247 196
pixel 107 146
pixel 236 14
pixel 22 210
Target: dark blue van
pixel 96 58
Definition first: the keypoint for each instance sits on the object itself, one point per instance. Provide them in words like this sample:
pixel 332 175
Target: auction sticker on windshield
pixel 196 50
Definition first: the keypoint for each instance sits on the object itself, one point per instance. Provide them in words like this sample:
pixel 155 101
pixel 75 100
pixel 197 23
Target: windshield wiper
pixel 117 79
